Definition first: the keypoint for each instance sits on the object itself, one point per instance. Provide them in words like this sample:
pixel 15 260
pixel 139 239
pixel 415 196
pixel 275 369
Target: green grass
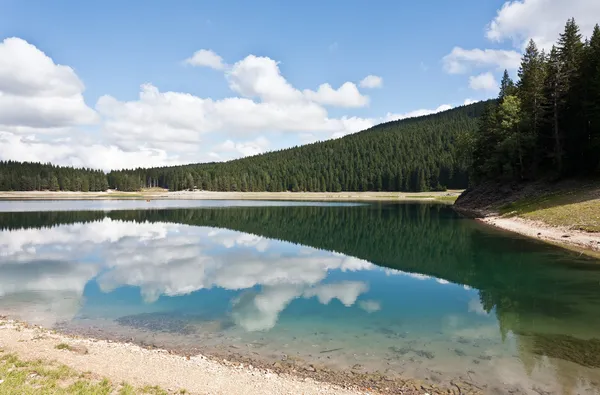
pixel 42 377
pixel 575 209
pixel 63 346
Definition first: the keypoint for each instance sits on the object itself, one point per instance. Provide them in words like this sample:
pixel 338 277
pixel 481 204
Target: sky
pixel 125 84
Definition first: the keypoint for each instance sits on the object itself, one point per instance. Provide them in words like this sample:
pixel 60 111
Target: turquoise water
pixel 409 290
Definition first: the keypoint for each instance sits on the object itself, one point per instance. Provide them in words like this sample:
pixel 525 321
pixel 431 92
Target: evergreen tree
pixel 531 94
pixel 507 86
pixel 53 183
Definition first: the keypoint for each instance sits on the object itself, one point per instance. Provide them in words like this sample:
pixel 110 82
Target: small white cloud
pixel 461 60
pixel 371 81
pixel 206 58
pixel 483 82
pixel 346 95
pixel 243 148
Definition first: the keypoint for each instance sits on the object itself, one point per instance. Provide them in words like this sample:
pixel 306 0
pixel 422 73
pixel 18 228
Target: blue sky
pixel 427 56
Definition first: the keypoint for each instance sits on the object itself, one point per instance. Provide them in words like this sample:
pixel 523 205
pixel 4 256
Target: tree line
pixel 27 176
pixel 547 124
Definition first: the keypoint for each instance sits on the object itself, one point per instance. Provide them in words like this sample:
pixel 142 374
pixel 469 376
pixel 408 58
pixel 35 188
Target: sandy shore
pixel 196 374
pixel 557 235
pixel 205 195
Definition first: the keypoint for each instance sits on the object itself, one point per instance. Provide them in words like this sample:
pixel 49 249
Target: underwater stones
pixel 425 354
pixel 157 322
pixel 418 352
pixel 583 352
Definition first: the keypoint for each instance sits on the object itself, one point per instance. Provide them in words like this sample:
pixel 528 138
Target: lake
pixel 405 289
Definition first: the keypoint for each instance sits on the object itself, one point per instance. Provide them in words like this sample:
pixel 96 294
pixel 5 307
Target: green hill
pixel 416 154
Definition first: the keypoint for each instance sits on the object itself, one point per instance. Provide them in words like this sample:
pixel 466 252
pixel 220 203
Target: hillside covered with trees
pixel 416 154
pixel 547 124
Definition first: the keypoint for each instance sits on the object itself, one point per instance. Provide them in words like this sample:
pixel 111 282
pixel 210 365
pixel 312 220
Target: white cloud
pixel 346 95
pixel 229 148
pixel 66 152
pixel 483 82
pixel 206 58
pixel 461 60
pixel 371 81
pixel 417 113
pixel 541 20
pixel 260 77
pixel 37 93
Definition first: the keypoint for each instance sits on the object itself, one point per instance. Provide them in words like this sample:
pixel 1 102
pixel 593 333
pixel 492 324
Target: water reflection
pixel 410 286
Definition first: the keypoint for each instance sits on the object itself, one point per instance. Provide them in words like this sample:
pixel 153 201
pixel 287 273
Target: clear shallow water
pixel 405 289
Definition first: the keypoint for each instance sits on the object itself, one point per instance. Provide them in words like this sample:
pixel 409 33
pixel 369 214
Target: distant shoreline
pixel 444 197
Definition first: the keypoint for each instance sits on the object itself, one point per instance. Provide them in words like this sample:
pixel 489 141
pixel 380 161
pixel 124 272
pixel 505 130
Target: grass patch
pixel 574 209
pixel 43 377
pixel 63 346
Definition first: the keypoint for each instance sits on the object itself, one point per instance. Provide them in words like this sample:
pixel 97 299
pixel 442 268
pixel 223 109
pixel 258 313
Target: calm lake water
pixel 411 290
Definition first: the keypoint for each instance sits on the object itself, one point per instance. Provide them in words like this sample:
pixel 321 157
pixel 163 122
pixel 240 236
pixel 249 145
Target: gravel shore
pixel 197 374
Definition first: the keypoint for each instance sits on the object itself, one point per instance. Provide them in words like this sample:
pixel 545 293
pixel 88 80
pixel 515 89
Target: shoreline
pixel 584 242
pixel 445 197
pixel 199 373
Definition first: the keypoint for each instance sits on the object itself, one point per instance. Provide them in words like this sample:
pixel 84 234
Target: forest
pixel 416 154
pixel 547 124
pixel 26 176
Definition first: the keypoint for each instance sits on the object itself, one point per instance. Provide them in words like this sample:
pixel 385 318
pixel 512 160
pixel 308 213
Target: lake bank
pixel 171 373
pixel 446 197
pixel 566 213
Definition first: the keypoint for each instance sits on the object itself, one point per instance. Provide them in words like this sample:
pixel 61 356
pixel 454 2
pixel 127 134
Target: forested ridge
pixel 416 154
pixel 547 124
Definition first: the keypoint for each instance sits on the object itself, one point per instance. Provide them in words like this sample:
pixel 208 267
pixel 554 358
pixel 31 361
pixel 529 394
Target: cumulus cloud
pixel 541 20
pixel 37 93
pixel 483 82
pixel 371 81
pixel 92 155
pixel 346 95
pixel 460 60
pixel 229 148
pixel 206 58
